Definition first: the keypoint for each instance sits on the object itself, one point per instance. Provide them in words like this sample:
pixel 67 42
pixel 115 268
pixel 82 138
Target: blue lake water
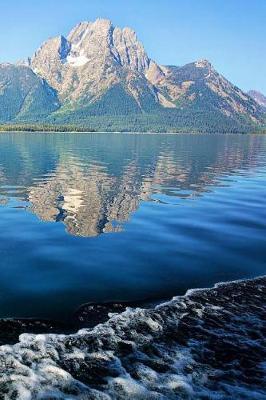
pixel 108 217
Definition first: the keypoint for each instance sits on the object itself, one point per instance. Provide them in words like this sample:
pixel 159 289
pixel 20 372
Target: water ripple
pixel 105 217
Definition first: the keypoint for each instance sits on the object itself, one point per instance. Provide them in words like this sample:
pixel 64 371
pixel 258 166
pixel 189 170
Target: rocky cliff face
pixel 101 70
pixel 97 56
pixel 199 85
pixel 258 97
pixel 93 58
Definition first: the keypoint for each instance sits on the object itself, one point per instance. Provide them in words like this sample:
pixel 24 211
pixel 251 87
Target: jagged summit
pixel 94 40
pixel 100 70
pixel 203 63
pixel 93 57
pixel 258 97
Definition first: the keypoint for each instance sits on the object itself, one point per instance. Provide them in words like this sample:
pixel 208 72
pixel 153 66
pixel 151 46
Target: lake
pixel 123 217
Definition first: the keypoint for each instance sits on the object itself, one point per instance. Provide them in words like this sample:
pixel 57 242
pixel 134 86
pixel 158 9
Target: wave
pixel 208 344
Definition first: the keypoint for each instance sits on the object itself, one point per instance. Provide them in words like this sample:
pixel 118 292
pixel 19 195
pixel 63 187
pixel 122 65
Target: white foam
pixel 131 356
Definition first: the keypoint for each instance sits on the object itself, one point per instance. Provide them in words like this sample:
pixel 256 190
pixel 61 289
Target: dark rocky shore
pixel 209 344
pixel 87 316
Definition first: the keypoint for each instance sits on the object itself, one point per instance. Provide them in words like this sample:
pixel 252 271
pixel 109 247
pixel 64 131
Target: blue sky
pixel 230 33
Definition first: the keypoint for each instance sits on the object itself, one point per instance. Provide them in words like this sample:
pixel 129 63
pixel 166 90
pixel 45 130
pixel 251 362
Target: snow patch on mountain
pixel 77 61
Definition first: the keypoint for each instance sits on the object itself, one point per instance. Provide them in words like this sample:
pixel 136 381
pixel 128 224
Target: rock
pixel 258 97
pixel 99 70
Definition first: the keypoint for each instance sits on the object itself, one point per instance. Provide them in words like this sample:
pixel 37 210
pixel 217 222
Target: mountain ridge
pixel 259 97
pixel 100 70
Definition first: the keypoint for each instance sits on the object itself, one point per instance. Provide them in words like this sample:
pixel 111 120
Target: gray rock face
pixel 100 38
pixel 94 57
pixel 99 70
pixel 258 97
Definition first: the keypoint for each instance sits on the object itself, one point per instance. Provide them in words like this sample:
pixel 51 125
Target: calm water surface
pixel 105 217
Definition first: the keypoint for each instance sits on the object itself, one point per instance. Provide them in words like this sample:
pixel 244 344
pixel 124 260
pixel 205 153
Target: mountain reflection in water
pixel 113 217
pixel 91 194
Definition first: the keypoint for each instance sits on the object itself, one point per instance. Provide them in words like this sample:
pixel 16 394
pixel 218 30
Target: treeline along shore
pixel 79 128
pixel 43 128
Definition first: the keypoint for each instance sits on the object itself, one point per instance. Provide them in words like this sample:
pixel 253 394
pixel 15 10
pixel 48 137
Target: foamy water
pixel 112 218
pixel 209 344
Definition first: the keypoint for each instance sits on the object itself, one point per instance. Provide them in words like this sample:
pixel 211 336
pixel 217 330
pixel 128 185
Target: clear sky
pixel 230 33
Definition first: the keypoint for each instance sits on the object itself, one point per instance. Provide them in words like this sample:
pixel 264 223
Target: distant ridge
pixel 101 76
pixel 258 97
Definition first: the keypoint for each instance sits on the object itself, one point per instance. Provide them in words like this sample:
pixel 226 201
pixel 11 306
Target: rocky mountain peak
pixel 94 41
pixel 130 51
pixel 51 52
pixel 105 69
pixel 90 39
pixel 94 56
pixel 258 97
pixel 203 63
pixel 87 33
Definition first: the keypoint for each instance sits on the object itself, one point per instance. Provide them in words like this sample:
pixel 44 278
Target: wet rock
pixel 209 344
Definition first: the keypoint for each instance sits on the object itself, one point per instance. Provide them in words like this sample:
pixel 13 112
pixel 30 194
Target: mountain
pixel 24 95
pixel 100 76
pixel 258 97
pixel 94 58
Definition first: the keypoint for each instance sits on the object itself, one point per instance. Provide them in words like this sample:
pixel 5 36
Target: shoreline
pixel 90 315
pixel 129 132
pixel 71 128
pixel 207 344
